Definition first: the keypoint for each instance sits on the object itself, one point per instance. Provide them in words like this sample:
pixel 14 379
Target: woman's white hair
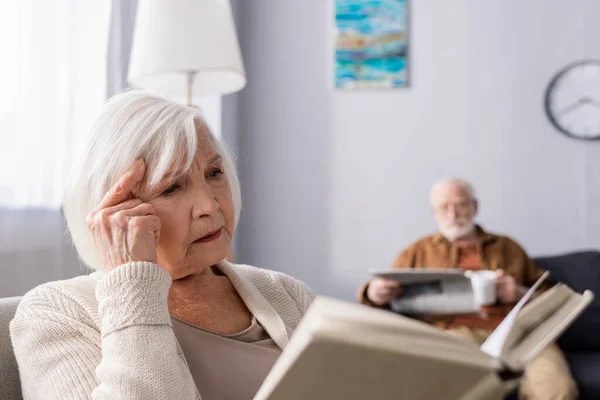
pixel 132 125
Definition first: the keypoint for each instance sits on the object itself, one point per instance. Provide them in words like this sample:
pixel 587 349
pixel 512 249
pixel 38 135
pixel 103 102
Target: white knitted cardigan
pixel 109 336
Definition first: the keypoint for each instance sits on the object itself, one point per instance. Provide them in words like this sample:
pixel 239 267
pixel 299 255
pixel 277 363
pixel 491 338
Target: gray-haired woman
pixel 152 206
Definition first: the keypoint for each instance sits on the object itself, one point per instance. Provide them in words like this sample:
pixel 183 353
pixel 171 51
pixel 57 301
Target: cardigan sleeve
pixel 139 357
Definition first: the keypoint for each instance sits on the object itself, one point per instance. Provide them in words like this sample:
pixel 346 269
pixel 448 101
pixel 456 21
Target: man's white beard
pixel 455 231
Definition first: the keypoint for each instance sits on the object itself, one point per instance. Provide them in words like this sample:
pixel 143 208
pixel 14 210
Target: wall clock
pixel 572 100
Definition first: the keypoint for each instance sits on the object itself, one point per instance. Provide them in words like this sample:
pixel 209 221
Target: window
pixel 53 80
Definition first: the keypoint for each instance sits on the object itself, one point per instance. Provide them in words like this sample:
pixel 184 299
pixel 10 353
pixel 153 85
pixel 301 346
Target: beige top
pixel 227 367
pixel 109 336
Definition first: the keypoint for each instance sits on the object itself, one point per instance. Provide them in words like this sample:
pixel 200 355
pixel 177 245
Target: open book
pixel 343 350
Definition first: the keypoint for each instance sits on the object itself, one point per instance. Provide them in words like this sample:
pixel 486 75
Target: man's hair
pixel 466 186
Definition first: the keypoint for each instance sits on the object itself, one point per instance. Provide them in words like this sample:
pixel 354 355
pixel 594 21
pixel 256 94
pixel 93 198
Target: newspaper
pixel 431 291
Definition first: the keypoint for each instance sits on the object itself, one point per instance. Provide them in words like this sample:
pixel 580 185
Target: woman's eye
pixel 171 190
pixel 215 173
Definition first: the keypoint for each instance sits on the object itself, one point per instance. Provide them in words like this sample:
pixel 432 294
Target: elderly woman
pixel 152 206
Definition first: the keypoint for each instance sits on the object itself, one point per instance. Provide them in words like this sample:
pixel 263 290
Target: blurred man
pixel 460 243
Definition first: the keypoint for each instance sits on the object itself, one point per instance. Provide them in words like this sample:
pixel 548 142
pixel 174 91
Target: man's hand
pixel 381 291
pixel 507 288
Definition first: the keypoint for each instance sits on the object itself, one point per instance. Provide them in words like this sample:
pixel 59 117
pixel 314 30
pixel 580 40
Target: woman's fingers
pixel 122 189
pixel 125 229
pixel 140 226
pixel 123 213
pixel 126 205
pixel 142 234
pixel 139 210
pixel 102 216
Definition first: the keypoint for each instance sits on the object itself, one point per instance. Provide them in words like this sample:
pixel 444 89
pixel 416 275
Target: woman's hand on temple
pixel 124 228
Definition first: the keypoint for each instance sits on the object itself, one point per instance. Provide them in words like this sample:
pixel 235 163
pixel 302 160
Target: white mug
pixel 484 286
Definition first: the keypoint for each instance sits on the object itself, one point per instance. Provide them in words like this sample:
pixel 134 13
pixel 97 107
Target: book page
pixel 350 351
pixel 549 326
pixel 537 311
pixel 495 342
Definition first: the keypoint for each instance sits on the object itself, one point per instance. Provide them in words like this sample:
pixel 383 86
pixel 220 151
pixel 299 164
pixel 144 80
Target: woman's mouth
pixel 211 237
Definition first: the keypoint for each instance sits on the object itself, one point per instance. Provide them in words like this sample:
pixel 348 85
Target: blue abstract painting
pixel 371 47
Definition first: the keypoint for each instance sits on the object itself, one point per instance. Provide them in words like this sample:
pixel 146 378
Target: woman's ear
pixel 475 207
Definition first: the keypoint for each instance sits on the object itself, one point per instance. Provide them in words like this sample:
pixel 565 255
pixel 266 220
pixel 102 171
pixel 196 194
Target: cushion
pixel 585 368
pixel 580 271
pixel 10 385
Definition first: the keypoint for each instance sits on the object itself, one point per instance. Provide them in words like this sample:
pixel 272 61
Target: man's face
pixel 454 211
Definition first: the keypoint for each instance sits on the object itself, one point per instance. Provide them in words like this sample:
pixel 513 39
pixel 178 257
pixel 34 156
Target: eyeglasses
pixel 460 208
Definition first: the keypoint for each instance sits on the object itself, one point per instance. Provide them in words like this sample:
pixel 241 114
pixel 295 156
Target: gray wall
pixel 336 182
pixel 284 140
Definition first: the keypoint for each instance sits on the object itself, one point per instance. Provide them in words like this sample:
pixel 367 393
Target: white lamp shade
pixel 175 37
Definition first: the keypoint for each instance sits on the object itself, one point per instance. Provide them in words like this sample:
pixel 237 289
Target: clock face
pixel 573 100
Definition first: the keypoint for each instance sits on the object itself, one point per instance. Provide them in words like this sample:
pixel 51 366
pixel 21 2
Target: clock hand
pixel 593 101
pixel 571 107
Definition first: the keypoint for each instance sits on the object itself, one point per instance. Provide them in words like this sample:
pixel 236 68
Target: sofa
pixel 10 387
pixel 581 342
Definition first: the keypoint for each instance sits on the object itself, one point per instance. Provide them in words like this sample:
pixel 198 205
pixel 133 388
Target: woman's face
pixel 196 213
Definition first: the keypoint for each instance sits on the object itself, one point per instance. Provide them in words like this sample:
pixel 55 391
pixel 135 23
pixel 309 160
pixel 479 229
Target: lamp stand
pixel 190 81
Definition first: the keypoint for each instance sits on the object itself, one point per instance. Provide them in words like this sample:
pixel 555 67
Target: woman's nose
pixel 205 202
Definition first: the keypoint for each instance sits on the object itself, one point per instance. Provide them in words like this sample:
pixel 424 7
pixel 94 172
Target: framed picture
pixel 371 43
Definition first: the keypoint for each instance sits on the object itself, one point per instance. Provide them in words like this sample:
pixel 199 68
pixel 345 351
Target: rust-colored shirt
pixel 493 252
pixel 468 259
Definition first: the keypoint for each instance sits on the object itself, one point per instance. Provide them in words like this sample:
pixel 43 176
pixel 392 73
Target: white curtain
pixel 53 83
